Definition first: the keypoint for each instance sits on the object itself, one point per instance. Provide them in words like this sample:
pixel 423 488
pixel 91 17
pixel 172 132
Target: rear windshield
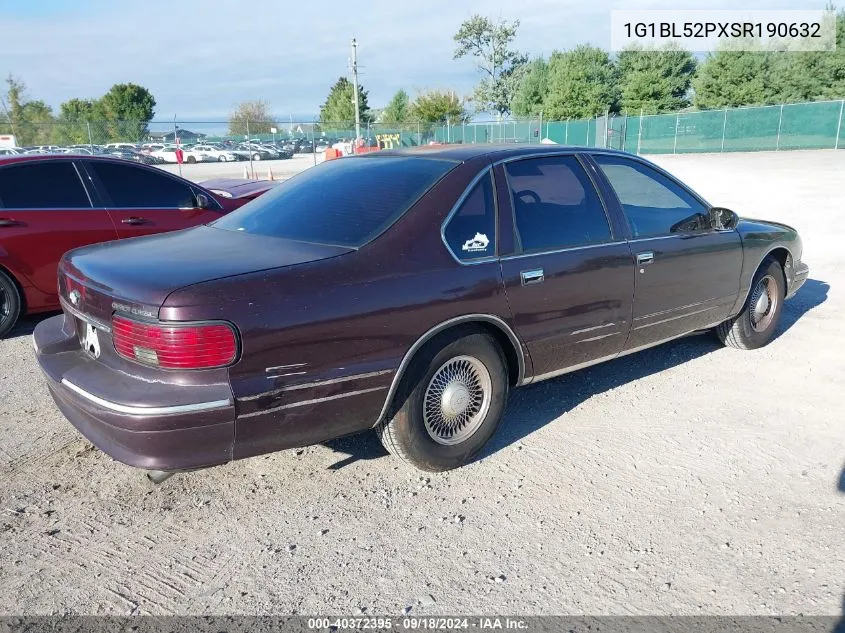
pixel 345 202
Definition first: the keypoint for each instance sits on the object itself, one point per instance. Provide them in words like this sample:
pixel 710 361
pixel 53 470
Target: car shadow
pixel 840 625
pixel 812 294
pixel 533 407
pixel 841 485
pixel 361 446
pixel 26 326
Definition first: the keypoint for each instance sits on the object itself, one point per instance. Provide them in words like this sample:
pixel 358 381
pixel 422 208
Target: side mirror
pixel 202 201
pixel 722 218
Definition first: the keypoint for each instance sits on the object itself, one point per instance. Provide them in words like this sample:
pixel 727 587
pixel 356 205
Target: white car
pixel 220 155
pixel 168 155
pixel 131 146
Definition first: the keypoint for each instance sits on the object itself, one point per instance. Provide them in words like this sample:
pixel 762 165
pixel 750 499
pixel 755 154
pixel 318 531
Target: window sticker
pixel 478 243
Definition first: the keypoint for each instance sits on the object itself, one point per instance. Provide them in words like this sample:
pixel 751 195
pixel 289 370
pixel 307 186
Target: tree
pixel 438 106
pixel 251 117
pixel 397 110
pixel 654 80
pixel 582 84
pixel 730 78
pixel 532 89
pixel 339 108
pixel 75 118
pixel 30 121
pixel 810 75
pixel 500 66
pixel 128 109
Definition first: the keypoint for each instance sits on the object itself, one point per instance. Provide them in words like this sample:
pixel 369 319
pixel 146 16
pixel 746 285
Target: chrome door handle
pixel 645 258
pixel 134 220
pixel 532 276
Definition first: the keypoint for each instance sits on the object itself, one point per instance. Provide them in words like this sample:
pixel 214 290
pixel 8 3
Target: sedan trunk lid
pixel 136 275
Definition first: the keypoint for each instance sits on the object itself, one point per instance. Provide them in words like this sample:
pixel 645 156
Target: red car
pixel 51 204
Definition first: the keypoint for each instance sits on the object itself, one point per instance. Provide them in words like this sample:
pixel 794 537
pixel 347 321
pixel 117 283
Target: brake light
pixel 183 346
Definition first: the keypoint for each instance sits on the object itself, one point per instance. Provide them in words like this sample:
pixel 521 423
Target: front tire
pixel 10 304
pixel 756 325
pixel 454 399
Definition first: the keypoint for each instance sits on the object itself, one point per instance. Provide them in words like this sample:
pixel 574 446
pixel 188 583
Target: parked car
pixel 256 153
pixel 215 153
pixel 148 148
pixel 51 204
pixel 82 151
pixel 168 155
pixel 240 188
pixel 138 157
pixel 281 151
pixel 320 309
pixel 129 146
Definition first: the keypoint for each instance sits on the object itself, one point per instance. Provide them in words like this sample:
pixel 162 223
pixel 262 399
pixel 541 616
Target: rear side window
pixel 346 202
pixel 471 232
pixel 129 186
pixel 42 185
pixel 555 204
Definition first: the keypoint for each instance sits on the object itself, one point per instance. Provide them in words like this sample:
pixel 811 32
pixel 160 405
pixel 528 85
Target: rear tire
pixel 191 159
pixel 453 399
pixel 221 159
pixel 756 325
pixel 10 303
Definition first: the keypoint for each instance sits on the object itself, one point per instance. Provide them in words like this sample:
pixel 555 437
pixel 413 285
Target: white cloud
pixel 199 58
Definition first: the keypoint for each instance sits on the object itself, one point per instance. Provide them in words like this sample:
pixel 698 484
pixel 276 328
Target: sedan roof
pixel 467 152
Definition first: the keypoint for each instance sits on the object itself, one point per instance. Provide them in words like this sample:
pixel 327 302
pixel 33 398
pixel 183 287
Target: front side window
pixel 555 204
pixel 653 203
pixel 471 232
pixel 344 202
pixel 42 185
pixel 132 187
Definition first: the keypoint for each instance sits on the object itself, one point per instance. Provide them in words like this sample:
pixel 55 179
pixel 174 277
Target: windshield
pixel 345 202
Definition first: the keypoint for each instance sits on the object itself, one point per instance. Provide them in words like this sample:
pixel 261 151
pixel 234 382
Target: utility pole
pixel 355 88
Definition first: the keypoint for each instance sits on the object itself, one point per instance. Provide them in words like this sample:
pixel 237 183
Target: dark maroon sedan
pixel 406 291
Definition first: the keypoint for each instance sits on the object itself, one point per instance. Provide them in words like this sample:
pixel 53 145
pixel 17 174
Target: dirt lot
pixel 687 479
pixel 278 169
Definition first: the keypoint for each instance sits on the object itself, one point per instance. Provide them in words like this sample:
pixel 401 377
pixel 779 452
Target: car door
pixel 687 270
pixel 570 282
pixel 144 200
pixel 45 211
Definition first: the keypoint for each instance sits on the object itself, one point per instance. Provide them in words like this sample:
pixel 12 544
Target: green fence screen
pixel 815 125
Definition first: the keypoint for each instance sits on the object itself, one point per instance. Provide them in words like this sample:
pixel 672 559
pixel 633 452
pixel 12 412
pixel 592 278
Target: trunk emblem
pixel 74 297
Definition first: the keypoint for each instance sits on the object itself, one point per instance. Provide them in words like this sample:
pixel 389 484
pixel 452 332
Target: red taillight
pixel 188 346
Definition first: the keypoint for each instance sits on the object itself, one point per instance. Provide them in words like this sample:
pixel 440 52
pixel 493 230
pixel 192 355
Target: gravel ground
pixel 687 479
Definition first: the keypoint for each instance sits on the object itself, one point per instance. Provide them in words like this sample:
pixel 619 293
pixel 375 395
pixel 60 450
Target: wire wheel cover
pixel 457 400
pixel 764 302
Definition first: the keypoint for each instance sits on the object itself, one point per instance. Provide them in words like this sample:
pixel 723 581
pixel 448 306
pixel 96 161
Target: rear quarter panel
pixel 353 316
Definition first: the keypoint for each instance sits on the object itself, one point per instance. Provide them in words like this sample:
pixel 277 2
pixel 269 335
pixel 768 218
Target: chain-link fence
pixel 815 125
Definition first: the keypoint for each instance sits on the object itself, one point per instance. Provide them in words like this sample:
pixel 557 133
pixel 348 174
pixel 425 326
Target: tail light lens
pixel 183 346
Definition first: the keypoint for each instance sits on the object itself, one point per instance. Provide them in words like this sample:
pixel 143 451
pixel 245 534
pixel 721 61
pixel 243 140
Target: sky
pixel 200 58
